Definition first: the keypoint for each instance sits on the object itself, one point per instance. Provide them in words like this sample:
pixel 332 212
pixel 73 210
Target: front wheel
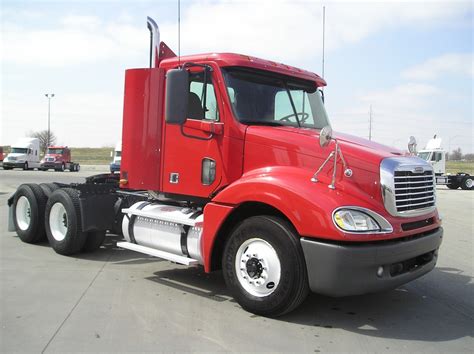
pixel 25 166
pixel 264 268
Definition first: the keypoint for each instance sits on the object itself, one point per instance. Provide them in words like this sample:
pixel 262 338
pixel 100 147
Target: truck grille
pixel 413 190
pixel 408 186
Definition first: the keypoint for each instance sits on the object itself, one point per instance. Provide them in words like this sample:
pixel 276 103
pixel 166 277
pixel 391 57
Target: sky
pixel 411 62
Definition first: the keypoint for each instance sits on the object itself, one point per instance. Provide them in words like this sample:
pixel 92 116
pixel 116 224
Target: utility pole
pixel 49 96
pixel 370 123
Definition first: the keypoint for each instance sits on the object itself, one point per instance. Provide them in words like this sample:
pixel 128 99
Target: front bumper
pixel 351 269
pixel 48 165
pixel 13 164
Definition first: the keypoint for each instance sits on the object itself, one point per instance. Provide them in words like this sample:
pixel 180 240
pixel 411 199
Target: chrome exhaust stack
pixel 154 41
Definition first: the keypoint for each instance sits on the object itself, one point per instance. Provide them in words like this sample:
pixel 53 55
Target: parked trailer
pixel 229 163
pixel 59 158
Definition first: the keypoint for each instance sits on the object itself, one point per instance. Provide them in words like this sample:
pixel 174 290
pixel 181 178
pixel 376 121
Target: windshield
pixel 55 151
pixel 259 97
pixel 19 150
pixel 424 155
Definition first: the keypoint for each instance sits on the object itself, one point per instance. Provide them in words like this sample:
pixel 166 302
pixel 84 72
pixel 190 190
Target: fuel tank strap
pixel 132 221
pixel 184 234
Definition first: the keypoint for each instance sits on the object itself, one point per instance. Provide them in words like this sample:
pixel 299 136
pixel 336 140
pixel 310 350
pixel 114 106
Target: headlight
pixel 360 220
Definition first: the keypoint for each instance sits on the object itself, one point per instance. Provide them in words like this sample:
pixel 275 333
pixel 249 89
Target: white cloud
pixel 77 40
pixel 289 31
pixel 282 30
pixel 448 64
pixel 404 110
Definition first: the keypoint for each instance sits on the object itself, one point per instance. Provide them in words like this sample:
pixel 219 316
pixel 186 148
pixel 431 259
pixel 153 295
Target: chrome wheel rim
pixel 469 183
pixel 23 213
pixel 58 222
pixel 258 267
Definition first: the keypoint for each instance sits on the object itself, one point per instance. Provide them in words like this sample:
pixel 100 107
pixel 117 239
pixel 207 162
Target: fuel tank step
pixel 173 215
pixel 160 254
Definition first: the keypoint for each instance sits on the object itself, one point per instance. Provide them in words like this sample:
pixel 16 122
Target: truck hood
pixel 16 156
pixel 358 152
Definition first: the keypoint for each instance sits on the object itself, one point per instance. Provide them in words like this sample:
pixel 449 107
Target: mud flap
pixel 11 224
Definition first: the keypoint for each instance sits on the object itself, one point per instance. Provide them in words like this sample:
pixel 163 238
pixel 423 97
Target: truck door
pixel 192 163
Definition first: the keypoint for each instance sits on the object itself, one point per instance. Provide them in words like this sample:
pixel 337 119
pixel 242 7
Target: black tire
pixel 7 168
pixel 94 240
pixel 78 168
pixel 25 166
pixel 34 232
pixel 48 188
pixel 292 287
pixel 73 238
pixel 467 183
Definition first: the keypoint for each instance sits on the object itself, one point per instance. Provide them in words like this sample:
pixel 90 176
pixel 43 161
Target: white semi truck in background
pixel 117 158
pixel 436 156
pixel 25 153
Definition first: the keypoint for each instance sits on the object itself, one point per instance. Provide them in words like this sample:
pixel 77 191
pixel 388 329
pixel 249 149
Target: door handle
pixel 212 127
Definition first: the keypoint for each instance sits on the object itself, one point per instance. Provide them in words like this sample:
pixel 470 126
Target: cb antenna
pixel 179 32
pixel 324 32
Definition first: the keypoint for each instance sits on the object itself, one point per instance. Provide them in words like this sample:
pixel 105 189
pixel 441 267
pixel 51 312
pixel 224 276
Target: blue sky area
pixel 412 61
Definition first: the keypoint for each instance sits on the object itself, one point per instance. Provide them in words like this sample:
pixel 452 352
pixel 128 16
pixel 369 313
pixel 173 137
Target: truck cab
pixel 117 157
pixel 59 159
pixel 229 162
pixel 23 154
pixel 435 155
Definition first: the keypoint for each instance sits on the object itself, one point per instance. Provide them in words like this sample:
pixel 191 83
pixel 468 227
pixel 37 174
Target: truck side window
pixel 196 98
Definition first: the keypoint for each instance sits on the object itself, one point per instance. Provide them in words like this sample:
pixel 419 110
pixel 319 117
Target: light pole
pixel 49 96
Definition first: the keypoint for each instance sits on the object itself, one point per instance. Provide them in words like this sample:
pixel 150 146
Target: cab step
pixel 160 254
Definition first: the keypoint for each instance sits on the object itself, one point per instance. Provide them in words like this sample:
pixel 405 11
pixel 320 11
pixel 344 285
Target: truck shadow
pixel 109 252
pixel 413 312
pixel 418 311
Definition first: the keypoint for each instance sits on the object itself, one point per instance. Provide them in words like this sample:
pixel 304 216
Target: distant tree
pixel 468 157
pixel 456 155
pixel 43 138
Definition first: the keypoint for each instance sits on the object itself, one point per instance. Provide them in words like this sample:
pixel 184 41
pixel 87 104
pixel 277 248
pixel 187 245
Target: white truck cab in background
pixel 25 153
pixel 436 156
pixel 117 158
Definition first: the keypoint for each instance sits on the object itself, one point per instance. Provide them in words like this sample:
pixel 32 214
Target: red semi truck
pixel 229 163
pixel 59 159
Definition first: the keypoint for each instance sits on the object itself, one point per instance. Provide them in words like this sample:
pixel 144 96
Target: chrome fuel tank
pixel 164 227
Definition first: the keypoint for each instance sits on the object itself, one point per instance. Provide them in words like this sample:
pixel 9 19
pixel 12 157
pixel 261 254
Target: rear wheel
pixel 467 183
pixel 63 222
pixel 264 268
pixel 28 213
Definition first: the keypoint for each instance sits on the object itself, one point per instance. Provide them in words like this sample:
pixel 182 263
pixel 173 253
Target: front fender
pixel 306 204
